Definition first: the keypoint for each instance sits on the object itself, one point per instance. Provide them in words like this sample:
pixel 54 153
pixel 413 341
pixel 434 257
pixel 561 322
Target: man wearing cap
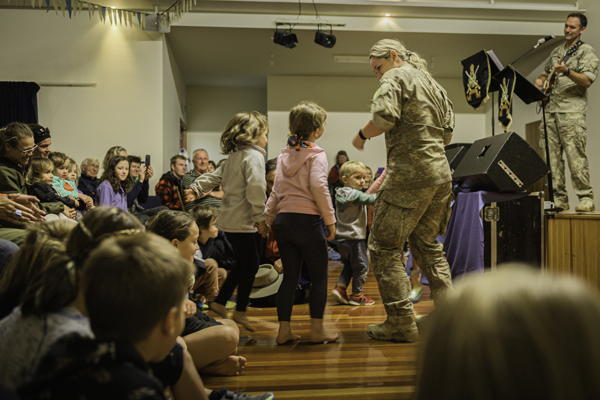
pixel 41 137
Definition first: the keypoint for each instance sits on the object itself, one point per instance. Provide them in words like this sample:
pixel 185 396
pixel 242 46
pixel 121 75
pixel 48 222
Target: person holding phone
pixel 141 174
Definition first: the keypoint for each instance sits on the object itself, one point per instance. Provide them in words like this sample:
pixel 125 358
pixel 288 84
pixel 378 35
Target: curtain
pixel 18 102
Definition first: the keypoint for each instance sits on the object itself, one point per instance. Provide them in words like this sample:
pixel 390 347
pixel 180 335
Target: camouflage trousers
pixel 567 133
pixel 419 215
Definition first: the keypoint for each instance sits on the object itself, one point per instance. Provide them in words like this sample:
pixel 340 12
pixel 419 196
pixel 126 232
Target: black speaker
pixel 501 163
pixel 455 153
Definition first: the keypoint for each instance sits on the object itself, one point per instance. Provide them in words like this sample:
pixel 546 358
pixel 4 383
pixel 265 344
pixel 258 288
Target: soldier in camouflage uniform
pixel 565 115
pixel 414 201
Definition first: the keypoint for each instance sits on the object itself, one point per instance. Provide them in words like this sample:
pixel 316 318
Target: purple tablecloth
pixel 463 241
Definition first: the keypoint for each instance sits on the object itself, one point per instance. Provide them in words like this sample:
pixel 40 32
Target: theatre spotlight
pixel 325 39
pixel 285 38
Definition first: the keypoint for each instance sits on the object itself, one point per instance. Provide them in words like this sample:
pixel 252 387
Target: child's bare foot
pixel 285 337
pixel 219 309
pixel 241 318
pixel 318 333
pixel 231 366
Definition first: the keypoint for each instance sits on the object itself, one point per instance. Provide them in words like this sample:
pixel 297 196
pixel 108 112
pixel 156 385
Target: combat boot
pixel 561 205
pixel 395 329
pixel 586 204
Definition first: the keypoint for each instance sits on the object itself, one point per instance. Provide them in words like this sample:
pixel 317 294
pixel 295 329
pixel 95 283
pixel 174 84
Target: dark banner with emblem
pixel 477 79
pixel 507 78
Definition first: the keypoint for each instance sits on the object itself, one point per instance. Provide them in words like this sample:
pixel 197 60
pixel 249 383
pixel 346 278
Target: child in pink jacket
pixel 300 198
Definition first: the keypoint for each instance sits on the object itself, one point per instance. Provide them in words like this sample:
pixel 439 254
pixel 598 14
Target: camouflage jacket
pixel 417 118
pixel 567 96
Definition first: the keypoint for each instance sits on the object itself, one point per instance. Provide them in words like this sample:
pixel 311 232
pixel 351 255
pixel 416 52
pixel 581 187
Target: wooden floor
pixel 356 367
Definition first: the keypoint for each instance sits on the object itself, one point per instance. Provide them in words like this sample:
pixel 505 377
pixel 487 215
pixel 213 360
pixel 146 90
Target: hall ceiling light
pixel 325 39
pixel 285 38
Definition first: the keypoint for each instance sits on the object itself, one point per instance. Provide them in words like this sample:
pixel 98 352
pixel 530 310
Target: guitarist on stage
pixel 573 68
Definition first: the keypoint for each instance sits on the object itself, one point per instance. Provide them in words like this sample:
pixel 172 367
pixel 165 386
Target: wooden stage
pixel 572 245
pixel 356 367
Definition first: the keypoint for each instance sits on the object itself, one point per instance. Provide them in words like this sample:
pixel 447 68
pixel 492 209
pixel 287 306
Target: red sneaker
pixel 361 300
pixel 339 293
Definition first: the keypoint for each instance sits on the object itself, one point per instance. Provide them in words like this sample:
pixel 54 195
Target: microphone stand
pixel 550 185
pixel 530 50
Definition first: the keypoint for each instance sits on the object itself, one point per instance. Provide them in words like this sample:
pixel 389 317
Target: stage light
pixel 285 38
pixel 325 39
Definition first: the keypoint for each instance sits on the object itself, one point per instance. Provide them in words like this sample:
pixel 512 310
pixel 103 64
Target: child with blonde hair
pixel 242 211
pixel 351 213
pixel 62 183
pixel 39 180
pixel 299 199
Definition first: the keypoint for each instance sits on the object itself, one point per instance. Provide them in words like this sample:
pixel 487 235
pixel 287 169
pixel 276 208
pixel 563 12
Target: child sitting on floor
pixel 130 332
pixel 351 213
pixel 206 219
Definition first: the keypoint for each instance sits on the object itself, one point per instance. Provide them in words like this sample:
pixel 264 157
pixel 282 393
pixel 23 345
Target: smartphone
pixel 147 161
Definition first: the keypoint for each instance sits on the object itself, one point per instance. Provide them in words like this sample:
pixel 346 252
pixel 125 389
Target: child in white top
pixel 242 210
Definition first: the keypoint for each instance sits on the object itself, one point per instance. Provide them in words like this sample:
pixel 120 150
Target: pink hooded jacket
pixel 301 185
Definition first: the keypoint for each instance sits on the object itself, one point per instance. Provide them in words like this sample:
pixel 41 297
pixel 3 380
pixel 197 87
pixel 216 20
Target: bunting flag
pixel 507 78
pixel 117 16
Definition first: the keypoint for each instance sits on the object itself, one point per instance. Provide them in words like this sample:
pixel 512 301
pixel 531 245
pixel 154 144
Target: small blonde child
pixel 299 199
pixel 61 181
pixel 39 180
pixel 242 178
pixel 351 213
pixel 73 172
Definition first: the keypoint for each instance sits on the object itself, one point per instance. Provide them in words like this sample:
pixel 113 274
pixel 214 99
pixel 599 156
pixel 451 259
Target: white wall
pixel 209 109
pixel 173 106
pixel 341 128
pixel 126 64
pixel 347 101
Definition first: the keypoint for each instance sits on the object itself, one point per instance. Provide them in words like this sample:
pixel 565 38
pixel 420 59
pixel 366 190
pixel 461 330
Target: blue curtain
pixel 18 102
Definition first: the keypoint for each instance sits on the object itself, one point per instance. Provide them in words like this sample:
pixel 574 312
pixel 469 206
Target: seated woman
pixel 213 344
pixel 16 150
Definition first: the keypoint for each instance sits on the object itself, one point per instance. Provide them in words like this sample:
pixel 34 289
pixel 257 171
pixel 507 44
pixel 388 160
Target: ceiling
pixel 229 43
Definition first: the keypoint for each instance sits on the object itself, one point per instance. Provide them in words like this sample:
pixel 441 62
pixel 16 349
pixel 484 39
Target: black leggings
pixel 300 237
pixel 242 274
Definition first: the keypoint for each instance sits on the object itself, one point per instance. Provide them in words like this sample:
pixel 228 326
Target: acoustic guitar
pixel 551 81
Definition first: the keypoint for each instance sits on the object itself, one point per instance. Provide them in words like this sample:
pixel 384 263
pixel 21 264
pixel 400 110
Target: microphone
pixel 544 40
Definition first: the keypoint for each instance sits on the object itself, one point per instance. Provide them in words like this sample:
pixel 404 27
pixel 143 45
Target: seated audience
pixel 37 279
pixel 201 166
pixel 63 185
pixel 16 150
pixel 206 219
pixel 135 352
pixel 39 180
pixel 42 139
pixel 514 334
pixel 88 180
pixel 115 184
pixel 212 166
pixel 169 186
pixel 212 343
pixel 139 193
